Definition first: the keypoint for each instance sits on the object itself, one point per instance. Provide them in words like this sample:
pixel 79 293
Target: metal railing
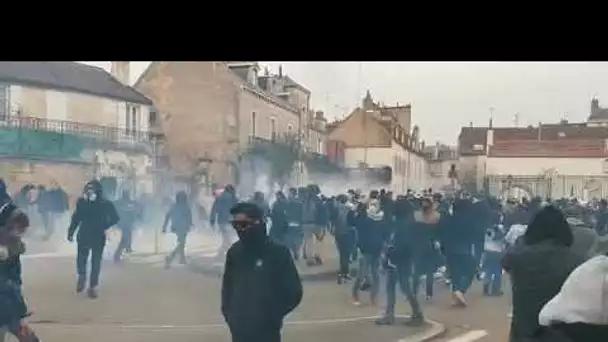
pixel 95 133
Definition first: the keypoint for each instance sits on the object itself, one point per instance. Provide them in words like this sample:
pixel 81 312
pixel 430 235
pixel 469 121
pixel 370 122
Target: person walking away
pixel 278 215
pixel 57 205
pixel 456 240
pixel 92 217
pixel 180 216
pixel 220 213
pixel 480 223
pixel 579 312
pixel 344 236
pixel 261 284
pixel 13 308
pixel 259 200
pixel 538 267
pixel 43 204
pixel 425 229
pixel 314 220
pixel 400 266
pixel 370 242
pixel 127 212
pixel 585 238
pixel 602 218
pixel 492 269
pixel 294 235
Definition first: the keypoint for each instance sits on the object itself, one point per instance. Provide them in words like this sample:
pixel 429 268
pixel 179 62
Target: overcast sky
pixel 446 96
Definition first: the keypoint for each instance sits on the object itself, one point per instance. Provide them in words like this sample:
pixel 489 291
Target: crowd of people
pixel 552 251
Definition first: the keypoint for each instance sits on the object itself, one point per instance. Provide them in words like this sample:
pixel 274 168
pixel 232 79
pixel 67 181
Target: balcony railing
pixel 115 136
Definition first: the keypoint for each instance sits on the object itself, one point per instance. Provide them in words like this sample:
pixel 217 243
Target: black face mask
pixel 253 236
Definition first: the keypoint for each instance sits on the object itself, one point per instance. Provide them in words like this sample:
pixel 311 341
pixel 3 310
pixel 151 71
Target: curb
pixel 218 271
pixel 436 330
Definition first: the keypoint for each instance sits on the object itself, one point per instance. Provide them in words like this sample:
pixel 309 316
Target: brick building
pixel 214 111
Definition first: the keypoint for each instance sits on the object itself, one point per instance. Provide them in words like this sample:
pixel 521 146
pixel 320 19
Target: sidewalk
pixel 211 265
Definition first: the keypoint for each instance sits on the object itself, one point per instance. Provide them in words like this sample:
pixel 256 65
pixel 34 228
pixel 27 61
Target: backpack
pixel 309 213
pixel 342 219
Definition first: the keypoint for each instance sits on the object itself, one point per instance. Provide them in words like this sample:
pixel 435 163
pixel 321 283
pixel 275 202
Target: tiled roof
pixel 552 133
pixel 69 76
pixel 571 148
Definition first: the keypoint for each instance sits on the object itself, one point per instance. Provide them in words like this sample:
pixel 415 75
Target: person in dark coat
pixel 93 216
pixel 400 265
pixel 370 239
pixel 55 204
pixel 220 213
pixel 278 214
pixel 180 216
pixel 128 213
pixel 456 239
pixel 261 284
pixel 13 308
pixel 538 267
pixel 295 234
pixel 345 236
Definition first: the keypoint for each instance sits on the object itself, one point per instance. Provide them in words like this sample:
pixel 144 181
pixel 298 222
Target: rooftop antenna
pixel 516 119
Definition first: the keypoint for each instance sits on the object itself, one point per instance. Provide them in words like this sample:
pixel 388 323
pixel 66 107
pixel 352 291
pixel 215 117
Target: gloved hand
pixel 70 238
pixel 212 223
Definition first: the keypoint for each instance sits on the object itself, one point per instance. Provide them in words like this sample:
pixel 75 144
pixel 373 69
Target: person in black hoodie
pixel 180 216
pixel 261 284
pixel 93 216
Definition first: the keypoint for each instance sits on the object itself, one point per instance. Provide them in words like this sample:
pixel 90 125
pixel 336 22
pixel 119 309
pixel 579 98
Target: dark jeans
pixel 345 244
pixel 180 249
pixel 403 274
pixel 369 264
pixel 95 250
pixel 462 270
pixel 262 336
pixel 493 273
pixel 126 236
pixel 478 251
pixel 294 240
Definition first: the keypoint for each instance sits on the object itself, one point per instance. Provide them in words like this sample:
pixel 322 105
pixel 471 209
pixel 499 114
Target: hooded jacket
pixel 579 312
pixel 220 211
pixel 92 218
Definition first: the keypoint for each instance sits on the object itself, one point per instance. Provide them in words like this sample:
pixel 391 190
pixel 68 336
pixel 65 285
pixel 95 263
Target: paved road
pixel 142 303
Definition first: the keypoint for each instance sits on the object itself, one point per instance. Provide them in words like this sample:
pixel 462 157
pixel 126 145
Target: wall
pixel 71 177
pixel 76 107
pixel 316 142
pixel 538 166
pixel 264 112
pixel 198 106
pixel 358 130
pixel 471 171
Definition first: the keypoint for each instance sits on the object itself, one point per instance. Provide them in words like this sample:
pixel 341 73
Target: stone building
pixel 379 144
pixel 555 160
pixel 69 122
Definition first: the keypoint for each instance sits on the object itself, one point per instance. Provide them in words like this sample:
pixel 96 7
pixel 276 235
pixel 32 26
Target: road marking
pixel 205 251
pixel 162 327
pixel 470 336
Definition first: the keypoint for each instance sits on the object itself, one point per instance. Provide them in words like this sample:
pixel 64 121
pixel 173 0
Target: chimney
pixel 121 71
pixel 489 140
pixel 280 71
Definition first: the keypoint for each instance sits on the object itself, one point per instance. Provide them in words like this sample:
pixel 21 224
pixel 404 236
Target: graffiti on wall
pixel 126 171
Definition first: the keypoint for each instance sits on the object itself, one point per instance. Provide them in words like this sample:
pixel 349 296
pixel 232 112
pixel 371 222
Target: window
pixel 131 119
pixel 477 147
pixel 273 129
pixel 4 101
pixel 252 124
pixel 152 118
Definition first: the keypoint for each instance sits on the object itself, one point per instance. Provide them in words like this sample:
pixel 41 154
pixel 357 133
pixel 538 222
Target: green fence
pixel 44 144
